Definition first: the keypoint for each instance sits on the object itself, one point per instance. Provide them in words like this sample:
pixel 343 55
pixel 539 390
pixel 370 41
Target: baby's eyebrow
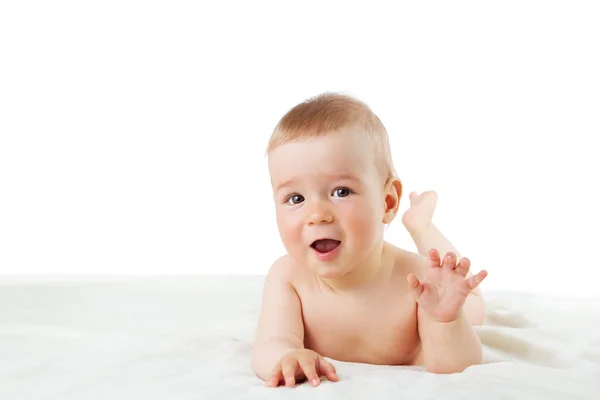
pixel 345 177
pixel 289 182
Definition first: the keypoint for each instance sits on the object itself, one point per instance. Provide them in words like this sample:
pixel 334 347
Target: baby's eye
pixel 295 199
pixel 341 192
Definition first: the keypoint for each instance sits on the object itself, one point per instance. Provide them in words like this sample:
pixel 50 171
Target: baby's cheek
pixel 364 224
pixel 290 234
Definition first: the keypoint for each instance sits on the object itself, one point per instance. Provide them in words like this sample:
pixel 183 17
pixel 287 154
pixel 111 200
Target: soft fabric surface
pixel 191 337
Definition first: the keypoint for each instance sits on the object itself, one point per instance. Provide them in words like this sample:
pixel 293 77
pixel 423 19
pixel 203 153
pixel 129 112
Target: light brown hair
pixel 330 112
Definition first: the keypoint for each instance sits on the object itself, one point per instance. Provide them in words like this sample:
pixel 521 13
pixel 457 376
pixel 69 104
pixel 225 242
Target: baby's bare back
pixel 374 325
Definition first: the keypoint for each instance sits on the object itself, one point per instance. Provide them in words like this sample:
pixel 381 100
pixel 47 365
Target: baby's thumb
pixel 416 288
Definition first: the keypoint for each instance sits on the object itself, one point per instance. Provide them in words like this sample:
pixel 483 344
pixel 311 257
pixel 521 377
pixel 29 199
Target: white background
pixel 132 134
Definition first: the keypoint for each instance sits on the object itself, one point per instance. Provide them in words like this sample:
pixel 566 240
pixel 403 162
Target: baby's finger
pixel 475 280
pixel 307 365
pixel 416 288
pixel 433 259
pixel 463 266
pixel 449 260
pixel 288 368
pixel 276 377
pixel 327 369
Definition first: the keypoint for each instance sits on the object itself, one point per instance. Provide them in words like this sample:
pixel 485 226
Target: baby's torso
pixel 374 327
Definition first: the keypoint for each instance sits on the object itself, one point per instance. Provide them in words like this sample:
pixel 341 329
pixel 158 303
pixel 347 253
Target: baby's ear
pixel 392 196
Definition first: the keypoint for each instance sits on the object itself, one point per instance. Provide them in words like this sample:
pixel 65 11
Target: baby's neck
pixel 373 269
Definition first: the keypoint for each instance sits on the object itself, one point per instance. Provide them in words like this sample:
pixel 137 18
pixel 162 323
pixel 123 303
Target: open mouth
pixel 325 245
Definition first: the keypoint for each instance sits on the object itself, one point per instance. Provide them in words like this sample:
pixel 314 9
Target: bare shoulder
pixel 279 268
pixel 280 272
pixel 285 271
pixel 406 262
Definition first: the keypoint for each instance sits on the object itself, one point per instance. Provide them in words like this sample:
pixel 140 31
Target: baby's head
pixel 334 183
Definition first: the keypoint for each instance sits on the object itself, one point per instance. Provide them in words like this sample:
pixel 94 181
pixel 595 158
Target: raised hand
pixel 445 287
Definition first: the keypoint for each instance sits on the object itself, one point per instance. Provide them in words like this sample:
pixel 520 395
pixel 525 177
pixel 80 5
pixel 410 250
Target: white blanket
pixel 190 338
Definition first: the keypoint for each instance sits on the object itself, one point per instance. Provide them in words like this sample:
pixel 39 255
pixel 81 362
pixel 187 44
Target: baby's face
pixel 329 201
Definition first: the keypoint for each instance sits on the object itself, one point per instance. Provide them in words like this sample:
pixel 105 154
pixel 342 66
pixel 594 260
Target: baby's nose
pixel 319 215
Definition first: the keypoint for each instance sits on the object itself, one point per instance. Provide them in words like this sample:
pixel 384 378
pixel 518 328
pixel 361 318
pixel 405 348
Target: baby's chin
pixel 329 270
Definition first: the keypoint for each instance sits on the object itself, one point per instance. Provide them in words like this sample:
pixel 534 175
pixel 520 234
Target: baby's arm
pixel 449 341
pixel 280 327
pixel 449 347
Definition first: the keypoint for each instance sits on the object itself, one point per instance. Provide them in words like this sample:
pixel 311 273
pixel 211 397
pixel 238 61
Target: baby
pixel 342 291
